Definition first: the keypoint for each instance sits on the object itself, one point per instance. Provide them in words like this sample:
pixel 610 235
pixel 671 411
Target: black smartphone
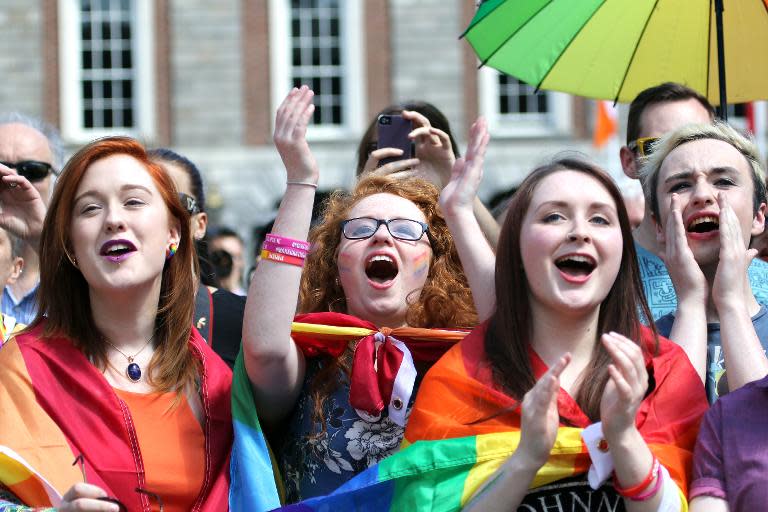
pixel 393 132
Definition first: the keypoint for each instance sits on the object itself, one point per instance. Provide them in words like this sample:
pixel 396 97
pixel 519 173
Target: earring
pixel 171 250
pixel 71 259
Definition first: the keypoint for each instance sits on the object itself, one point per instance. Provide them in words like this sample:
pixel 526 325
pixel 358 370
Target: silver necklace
pixel 133 370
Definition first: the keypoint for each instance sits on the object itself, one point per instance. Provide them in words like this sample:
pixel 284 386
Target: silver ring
pixel 12 185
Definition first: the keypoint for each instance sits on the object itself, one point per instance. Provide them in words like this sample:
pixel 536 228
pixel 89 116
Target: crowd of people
pixel 596 362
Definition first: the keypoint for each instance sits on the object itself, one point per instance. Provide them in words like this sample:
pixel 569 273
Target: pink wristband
pixel 289 251
pixel 653 491
pixel 287 242
pixel 281 258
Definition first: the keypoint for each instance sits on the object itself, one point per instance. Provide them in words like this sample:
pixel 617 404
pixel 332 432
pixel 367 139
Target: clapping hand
pixel 467 172
pixel 626 387
pixel 540 418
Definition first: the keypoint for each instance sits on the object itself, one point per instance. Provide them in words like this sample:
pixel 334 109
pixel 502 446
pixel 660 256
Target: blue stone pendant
pixel 133 371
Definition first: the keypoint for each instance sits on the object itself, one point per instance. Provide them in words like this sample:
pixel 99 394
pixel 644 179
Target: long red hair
pixel 64 302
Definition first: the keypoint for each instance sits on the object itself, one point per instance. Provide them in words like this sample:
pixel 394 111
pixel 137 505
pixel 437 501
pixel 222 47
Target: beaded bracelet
pixel 652 492
pixel 282 249
pixel 287 242
pixel 632 492
pixel 281 258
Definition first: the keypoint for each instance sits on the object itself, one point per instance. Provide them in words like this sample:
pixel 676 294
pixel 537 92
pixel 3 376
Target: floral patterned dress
pixel 314 465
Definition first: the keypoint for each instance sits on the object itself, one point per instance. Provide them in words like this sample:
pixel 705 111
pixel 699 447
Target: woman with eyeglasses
pixel 111 385
pixel 333 390
pixel 218 312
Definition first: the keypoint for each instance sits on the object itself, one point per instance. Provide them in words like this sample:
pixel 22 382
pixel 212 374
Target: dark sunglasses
pixel 189 203
pixel 80 461
pixel 643 146
pixel 31 169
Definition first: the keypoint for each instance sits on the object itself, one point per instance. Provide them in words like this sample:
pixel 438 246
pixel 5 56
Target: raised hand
pixel 731 282
pixel 626 387
pixel 405 167
pixel 290 136
pixel 540 419
pixel 433 148
pixel 22 210
pixel 687 277
pixel 467 172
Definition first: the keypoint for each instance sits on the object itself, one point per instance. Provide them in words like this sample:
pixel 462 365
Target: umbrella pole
pixel 721 59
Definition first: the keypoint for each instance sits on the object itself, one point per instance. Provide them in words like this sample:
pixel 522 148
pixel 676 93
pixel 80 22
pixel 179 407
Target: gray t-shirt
pixel 717 381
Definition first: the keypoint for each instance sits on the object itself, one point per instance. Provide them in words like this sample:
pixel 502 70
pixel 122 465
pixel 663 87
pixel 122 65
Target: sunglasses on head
pixel 189 203
pixel 31 169
pixel 643 146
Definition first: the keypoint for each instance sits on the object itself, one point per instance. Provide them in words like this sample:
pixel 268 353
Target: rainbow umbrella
pixel 613 49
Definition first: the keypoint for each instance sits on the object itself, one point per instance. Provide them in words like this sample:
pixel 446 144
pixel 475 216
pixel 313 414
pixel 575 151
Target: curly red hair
pixel 445 300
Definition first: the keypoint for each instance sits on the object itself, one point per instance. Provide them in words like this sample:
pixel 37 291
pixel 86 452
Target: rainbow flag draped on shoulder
pixel 56 406
pixel 456 438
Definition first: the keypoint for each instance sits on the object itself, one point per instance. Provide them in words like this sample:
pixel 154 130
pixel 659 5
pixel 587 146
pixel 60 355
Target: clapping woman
pixel 111 373
pixel 564 356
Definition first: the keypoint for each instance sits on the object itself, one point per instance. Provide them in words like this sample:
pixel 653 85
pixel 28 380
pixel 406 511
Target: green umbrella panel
pixel 613 49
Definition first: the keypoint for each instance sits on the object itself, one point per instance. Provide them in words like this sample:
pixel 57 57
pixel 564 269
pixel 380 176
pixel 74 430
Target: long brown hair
pixel 509 330
pixel 65 305
pixel 445 300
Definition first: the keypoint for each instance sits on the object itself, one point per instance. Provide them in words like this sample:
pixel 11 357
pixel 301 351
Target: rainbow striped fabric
pixel 21 479
pixel 253 475
pixel 456 437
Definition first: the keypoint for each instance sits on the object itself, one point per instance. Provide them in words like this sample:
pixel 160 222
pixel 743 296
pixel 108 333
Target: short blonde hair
pixel 689 133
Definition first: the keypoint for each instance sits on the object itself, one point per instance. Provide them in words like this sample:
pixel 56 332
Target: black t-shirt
pixel 219 318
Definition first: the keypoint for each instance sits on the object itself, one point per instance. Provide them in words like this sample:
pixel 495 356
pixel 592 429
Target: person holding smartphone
pixel 430 131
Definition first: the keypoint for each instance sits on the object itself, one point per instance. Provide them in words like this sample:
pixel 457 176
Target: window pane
pixel 317 55
pixel 516 97
pixel 108 72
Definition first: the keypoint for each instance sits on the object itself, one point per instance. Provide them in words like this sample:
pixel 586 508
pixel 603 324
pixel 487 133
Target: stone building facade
pixel 205 78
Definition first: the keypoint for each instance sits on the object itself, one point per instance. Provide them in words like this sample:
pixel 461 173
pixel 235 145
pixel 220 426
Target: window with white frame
pixel 514 108
pixel 319 43
pixel 106 61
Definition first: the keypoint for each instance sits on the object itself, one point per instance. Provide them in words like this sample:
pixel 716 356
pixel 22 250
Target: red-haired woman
pixel 111 372
pixel 566 344
pixel 381 258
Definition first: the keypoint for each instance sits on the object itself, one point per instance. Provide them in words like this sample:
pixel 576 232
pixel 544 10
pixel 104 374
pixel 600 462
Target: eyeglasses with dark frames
pixel 361 228
pixel 189 203
pixel 80 460
pixel 33 170
pixel 643 146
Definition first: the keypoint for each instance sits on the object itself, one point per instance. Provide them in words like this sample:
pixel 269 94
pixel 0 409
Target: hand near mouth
pixel 731 284
pixel 690 284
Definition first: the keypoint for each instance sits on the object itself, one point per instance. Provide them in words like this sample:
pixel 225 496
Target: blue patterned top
pixel 317 465
pixel 660 293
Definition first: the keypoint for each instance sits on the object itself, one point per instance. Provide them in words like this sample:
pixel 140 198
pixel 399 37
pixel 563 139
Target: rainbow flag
pixel 22 480
pixel 456 437
pixel 55 405
pixel 253 474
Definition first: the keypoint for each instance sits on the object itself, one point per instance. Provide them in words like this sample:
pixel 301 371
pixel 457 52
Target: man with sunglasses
pixel 32 149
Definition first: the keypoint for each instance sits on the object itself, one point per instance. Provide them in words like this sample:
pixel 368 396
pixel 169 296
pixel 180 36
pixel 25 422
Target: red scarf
pixel 377 358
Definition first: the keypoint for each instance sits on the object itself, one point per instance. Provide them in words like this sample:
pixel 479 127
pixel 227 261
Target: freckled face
pixel 571 243
pixel 380 273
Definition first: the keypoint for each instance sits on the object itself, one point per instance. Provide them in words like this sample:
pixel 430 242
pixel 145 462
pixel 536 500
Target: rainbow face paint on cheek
pixel 344 262
pixel 421 264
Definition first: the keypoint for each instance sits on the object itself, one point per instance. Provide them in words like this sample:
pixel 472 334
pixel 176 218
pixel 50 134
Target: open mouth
pixel 381 269
pixel 576 265
pixel 117 248
pixel 704 224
